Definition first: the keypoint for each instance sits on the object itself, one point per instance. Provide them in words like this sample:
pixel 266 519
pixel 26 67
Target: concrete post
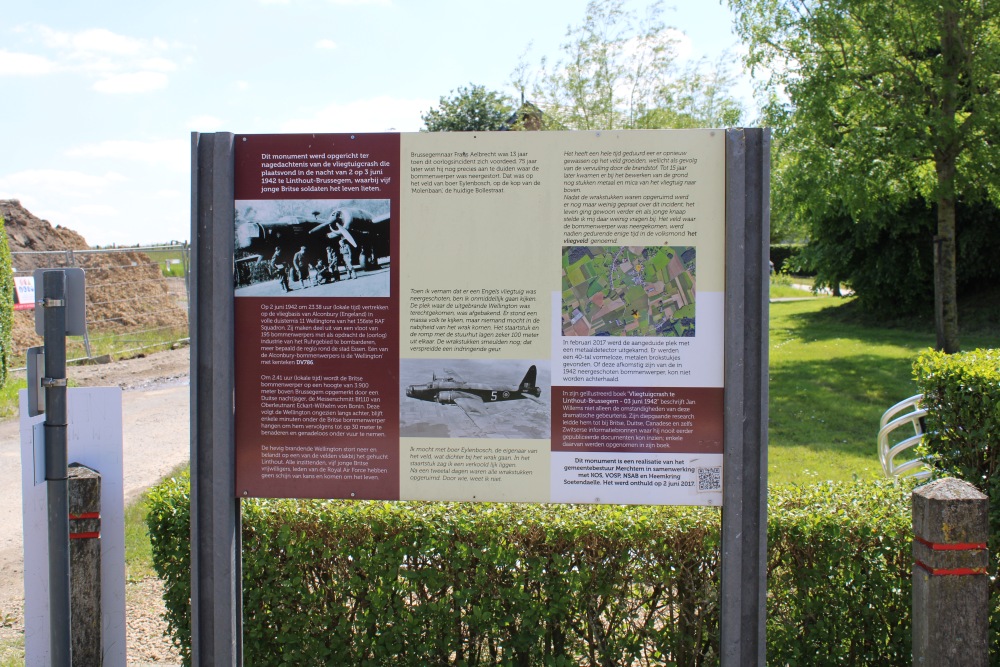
pixel 85 565
pixel 950 581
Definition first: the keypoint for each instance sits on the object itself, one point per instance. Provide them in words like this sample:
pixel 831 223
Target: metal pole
pixel 216 560
pixel 56 472
pixel 744 506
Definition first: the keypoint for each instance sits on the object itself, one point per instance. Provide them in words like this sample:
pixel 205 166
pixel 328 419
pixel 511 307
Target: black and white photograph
pixel 312 247
pixel 475 398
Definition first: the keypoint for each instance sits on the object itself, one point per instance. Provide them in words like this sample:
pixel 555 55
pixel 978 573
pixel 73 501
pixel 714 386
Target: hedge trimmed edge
pixel 372 583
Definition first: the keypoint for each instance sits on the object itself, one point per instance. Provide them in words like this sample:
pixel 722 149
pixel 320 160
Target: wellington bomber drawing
pixel 474 398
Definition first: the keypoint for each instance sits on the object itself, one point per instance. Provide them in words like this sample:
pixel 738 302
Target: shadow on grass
pixel 835 369
pixel 979 321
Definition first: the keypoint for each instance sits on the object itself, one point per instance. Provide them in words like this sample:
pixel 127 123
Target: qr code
pixel 710 479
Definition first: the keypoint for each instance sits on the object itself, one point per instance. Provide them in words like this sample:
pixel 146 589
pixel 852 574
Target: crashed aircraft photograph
pixel 312 247
pixel 470 398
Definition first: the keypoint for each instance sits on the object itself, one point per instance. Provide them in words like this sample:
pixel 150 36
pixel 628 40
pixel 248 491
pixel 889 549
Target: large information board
pixel 510 316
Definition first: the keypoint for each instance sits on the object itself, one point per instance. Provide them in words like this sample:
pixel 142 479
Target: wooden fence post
pixel 85 565
pixel 951 587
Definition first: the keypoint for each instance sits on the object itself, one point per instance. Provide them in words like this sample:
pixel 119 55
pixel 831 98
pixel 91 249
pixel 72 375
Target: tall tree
pixel 472 109
pixel 620 70
pixel 879 104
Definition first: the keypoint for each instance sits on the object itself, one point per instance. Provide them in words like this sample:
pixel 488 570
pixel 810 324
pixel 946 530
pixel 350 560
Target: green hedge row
pixel 371 583
pixel 961 393
pixel 962 398
pixel 6 303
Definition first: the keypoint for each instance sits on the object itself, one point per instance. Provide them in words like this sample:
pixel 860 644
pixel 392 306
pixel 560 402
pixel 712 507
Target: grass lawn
pixel 832 377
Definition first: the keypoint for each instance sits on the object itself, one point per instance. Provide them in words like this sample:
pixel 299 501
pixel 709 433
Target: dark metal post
pixel 53 301
pixel 744 510
pixel 216 596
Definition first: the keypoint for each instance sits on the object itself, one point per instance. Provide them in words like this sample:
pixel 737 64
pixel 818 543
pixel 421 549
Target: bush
pixel 888 259
pixel 962 397
pixel 839 574
pixel 6 304
pixel 785 257
pixel 961 393
pixel 449 583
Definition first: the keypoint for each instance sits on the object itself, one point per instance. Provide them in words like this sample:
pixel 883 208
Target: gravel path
pixel 156 436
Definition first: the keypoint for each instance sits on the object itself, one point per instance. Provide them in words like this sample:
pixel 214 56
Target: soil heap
pixel 126 290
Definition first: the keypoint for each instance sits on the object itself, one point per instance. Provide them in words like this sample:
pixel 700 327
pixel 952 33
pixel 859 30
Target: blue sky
pixel 99 99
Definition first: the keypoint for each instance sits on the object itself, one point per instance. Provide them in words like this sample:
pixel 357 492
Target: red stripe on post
pixel 951 572
pixel 950 547
pixel 84 536
pixel 85 515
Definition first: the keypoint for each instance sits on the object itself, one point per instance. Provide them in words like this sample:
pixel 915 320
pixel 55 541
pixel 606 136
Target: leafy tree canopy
pixel 877 105
pixel 619 70
pixel 472 109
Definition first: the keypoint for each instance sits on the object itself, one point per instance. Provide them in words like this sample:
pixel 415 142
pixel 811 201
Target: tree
pixel 473 109
pixel 877 105
pixel 620 71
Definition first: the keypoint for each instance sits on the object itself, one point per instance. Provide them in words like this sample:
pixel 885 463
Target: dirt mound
pixel 126 291
pixel 25 232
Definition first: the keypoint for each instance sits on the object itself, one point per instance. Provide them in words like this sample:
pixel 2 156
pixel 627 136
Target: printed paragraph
pixel 305 334
pixel 472 172
pixel 322 173
pixel 472 320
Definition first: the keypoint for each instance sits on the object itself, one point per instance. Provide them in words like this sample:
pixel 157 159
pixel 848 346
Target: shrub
pixel 378 583
pixel 786 258
pixel 6 303
pixel 839 574
pixel 962 397
pixel 961 393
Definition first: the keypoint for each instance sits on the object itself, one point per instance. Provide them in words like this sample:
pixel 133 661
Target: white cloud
pixel 119 63
pixel 170 194
pixel 24 64
pixel 104 207
pixel 684 47
pixel 175 154
pixel 241 85
pixel 158 65
pixel 374 115
pixel 326 44
pixel 95 40
pixel 94 210
pixel 133 82
pixel 59 182
pixel 204 124
pixel 382 3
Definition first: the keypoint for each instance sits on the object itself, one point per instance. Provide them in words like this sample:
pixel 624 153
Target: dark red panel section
pixel 637 419
pixel 317 378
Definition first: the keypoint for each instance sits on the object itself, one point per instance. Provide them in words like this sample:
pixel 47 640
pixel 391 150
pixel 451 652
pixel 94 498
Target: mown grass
pixel 833 371
pixel 124 345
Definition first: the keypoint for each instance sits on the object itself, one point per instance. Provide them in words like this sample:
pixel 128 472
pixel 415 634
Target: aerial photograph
pixel 628 291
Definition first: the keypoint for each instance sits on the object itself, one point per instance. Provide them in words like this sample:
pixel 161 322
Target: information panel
pixel 508 316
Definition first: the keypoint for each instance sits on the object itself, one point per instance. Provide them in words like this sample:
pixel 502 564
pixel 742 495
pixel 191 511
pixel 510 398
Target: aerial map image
pixel 628 291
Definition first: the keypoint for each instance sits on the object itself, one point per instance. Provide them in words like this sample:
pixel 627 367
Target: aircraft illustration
pixel 367 235
pixel 451 388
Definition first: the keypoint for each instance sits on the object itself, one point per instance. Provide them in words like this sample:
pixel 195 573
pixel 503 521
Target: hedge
pixel 373 583
pixel 961 393
pixel 6 304
pixel 786 258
